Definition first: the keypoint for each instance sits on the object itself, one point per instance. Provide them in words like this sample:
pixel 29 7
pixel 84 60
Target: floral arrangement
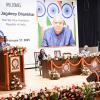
pixel 85 70
pixel 53 74
pixel 75 57
pixel 15 83
pixel 75 92
pixel 14 50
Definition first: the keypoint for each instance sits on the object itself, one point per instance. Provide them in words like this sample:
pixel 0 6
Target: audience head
pixel 58 24
pixel 86 47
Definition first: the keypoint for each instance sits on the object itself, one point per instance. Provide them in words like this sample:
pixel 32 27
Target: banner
pixel 18 24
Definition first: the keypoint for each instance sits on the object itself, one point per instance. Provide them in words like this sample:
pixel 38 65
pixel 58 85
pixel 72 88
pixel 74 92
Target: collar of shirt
pixel 59 33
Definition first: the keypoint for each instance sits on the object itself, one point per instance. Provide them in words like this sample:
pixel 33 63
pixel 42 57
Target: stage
pixel 35 82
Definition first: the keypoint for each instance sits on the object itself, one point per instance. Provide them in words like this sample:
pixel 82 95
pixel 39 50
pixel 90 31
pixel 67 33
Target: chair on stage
pixel 36 59
pixel 57 53
pixel 67 55
pixel 37 62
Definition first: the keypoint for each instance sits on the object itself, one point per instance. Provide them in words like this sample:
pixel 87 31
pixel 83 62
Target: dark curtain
pixel 88 22
pixel 98 22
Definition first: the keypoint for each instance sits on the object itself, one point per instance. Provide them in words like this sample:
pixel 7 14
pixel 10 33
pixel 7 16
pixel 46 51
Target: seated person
pixel 85 51
pixel 42 55
pixel 3 40
pixel 58 35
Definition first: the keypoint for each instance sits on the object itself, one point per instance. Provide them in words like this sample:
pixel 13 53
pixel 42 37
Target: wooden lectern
pixel 11 66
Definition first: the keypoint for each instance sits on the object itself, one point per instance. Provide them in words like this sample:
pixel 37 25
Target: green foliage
pixel 54 96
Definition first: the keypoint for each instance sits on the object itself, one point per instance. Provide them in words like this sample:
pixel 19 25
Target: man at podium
pixel 3 43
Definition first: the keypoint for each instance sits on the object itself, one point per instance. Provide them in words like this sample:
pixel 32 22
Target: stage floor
pixel 35 82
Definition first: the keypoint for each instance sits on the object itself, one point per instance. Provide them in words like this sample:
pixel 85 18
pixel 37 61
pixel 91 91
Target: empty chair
pixel 57 53
pixel 36 59
pixel 67 55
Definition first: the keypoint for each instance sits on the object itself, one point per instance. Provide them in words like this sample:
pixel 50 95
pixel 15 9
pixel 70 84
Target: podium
pixel 11 68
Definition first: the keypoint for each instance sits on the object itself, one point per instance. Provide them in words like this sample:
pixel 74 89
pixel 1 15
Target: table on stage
pixel 67 67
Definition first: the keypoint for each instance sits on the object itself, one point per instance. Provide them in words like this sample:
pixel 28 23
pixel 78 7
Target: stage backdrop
pixel 23 22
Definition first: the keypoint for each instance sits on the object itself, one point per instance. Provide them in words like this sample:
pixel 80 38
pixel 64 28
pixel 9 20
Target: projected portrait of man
pixel 58 35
